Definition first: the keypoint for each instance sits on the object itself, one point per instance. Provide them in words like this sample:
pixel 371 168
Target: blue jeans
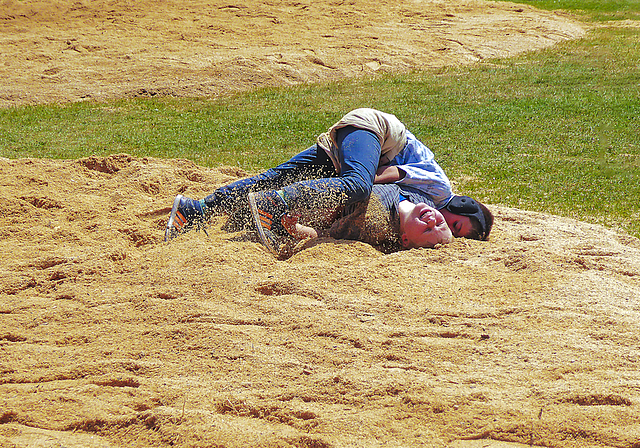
pixel 309 178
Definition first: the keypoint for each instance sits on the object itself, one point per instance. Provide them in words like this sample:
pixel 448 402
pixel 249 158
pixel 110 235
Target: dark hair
pixel 476 228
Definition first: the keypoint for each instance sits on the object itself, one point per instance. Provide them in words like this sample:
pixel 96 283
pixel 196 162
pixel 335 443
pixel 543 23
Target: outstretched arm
pixel 297 230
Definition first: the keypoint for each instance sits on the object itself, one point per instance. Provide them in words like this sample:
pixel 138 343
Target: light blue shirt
pixel 422 172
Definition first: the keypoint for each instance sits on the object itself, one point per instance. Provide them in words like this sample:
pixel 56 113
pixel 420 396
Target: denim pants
pixel 309 178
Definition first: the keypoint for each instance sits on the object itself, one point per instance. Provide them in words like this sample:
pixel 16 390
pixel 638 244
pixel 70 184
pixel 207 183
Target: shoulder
pixel 417 196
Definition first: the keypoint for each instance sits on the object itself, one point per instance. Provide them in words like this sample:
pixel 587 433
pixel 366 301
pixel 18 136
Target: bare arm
pixel 303 232
pixel 298 230
pixel 388 174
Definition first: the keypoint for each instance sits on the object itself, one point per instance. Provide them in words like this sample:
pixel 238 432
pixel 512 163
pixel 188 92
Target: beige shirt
pixel 391 132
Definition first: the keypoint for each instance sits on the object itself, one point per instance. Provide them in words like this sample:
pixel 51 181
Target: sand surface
pixel 111 338
pixel 76 50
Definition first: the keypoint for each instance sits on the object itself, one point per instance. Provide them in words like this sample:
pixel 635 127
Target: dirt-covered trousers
pixel 309 179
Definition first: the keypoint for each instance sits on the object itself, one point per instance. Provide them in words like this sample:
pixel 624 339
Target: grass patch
pixel 555 131
pixel 592 10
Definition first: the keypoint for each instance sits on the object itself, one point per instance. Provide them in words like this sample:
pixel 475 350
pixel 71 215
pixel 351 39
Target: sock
pixel 283 196
pixel 203 206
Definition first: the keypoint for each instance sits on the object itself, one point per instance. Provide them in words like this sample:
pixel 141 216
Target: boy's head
pixel 468 218
pixel 422 226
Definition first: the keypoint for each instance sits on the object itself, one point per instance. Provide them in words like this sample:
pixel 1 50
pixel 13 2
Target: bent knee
pixel 359 189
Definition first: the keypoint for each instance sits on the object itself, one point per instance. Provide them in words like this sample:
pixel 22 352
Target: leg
pixel 232 199
pixel 309 164
pixel 359 157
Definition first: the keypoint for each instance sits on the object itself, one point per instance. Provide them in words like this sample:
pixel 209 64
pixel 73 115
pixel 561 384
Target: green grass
pixel 596 10
pixel 555 131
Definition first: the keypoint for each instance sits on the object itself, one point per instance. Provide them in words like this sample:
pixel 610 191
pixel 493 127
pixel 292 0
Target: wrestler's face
pixel 424 226
pixel 460 225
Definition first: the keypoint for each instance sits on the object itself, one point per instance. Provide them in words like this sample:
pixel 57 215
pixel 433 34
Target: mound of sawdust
pixel 110 337
pixel 72 50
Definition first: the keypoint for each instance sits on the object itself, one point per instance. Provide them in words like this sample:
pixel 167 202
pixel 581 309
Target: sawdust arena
pixel 111 338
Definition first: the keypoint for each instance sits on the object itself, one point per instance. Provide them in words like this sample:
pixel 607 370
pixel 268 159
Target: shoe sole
pixel 168 233
pixel 258 224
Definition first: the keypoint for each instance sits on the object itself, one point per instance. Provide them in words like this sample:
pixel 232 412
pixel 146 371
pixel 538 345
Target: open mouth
pixel 427 215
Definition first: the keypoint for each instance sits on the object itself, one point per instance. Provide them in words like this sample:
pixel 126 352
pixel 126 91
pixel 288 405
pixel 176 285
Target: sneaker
pixel 185 214
pixel 268 210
